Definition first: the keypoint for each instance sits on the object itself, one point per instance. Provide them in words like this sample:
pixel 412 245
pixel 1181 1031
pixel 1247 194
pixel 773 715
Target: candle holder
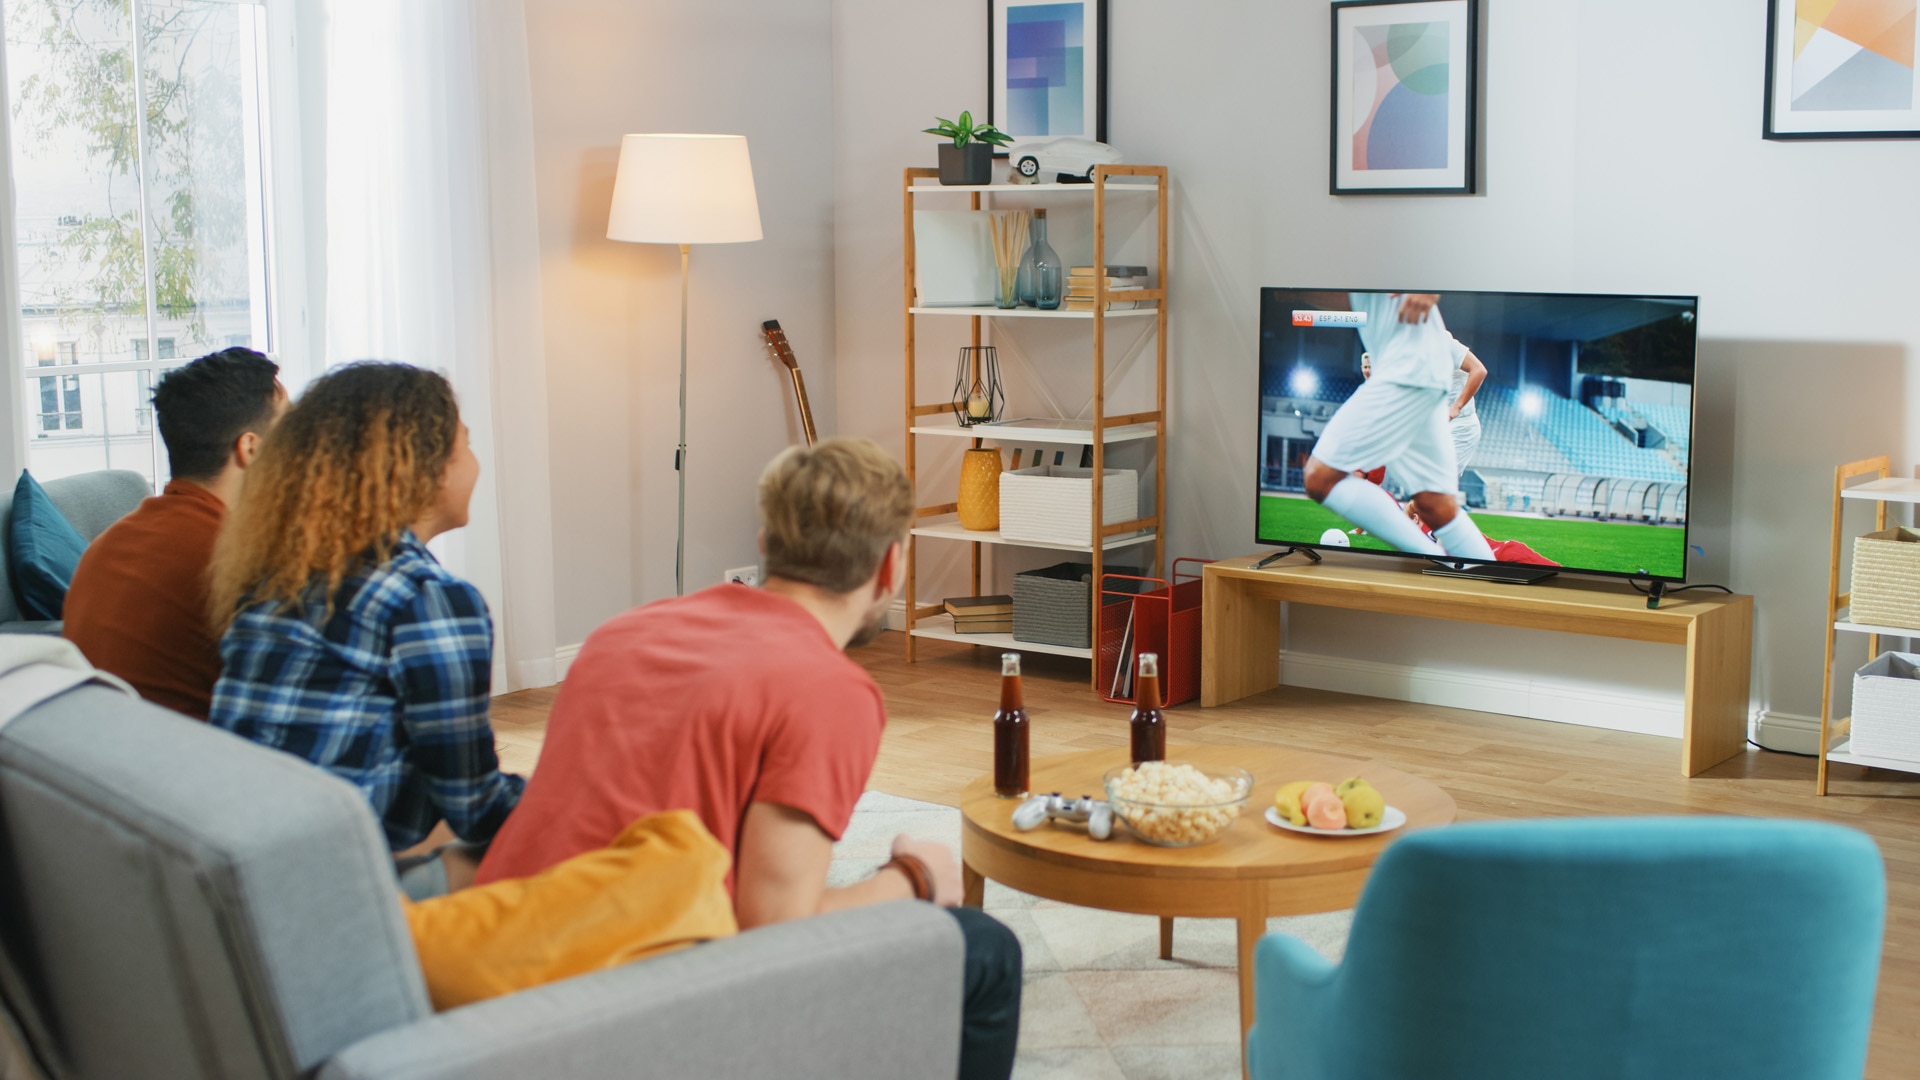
pixel 977 397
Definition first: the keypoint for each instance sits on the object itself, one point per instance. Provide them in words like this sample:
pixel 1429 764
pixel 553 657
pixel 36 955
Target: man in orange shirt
pixel 138 603
pixel 742 705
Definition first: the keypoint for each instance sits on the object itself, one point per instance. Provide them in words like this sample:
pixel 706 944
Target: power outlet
pixel 744 575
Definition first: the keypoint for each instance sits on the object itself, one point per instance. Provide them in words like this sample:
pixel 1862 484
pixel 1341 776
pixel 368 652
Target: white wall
pixel 1622 155
pixel 602 68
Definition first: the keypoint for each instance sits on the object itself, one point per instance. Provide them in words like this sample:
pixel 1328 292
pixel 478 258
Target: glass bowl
pixel 1175 818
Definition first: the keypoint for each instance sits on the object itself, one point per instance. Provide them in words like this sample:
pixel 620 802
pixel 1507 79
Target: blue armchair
pixel 1616 948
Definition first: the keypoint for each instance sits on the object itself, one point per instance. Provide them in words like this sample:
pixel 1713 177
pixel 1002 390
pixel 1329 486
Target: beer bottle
pixel 1010 755
pixel 1148 724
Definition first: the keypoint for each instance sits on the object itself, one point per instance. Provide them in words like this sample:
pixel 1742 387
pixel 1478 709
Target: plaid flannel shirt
pixel 390 693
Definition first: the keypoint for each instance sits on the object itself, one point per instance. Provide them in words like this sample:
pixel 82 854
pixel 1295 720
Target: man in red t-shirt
pixel 741 704
pixel 137 606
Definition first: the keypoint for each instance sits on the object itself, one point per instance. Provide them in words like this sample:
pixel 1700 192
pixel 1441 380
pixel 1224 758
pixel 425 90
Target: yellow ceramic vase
pixel 980 490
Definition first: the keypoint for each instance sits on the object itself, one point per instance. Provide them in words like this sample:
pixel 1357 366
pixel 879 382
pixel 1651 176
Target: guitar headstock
pixel 777 341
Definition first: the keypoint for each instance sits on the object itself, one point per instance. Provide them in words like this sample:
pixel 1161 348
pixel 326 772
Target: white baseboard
pixel 563 659
pixel 1560 702
pixel 897 614
pixel 1788 732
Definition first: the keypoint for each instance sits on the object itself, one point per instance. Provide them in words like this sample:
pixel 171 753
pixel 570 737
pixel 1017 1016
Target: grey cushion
pixel 90 502
pixel 185 903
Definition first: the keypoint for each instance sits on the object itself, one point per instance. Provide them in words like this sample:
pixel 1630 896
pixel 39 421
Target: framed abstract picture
pixel 1405 97
pixel 1047 68
pixel 1841 69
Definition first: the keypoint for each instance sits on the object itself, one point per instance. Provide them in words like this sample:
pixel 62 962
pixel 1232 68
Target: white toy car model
pixel 1070 159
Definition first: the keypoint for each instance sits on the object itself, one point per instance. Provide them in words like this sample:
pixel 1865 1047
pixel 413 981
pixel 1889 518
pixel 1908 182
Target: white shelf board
pixel 1031 313
pixel 1148 184
pixel 940 627
pixel 1842 752
pixel 1884 631
pixel 1013 431
pixel 948 528
pixel 1892 489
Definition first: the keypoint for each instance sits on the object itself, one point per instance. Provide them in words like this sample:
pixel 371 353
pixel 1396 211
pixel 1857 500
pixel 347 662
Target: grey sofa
pixel 91 502
pixel 183 903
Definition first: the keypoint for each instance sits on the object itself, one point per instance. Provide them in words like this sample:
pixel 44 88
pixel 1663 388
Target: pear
pixel 1349 784
pixel 1363 805
pixel 1287 801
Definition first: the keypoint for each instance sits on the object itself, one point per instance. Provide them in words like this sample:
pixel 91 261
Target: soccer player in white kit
pixel 1398 418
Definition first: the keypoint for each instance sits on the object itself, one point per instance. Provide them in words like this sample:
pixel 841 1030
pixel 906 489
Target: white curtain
pixel 432 259
pixel 13 419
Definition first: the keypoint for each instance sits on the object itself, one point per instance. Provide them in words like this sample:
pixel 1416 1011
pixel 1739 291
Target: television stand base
pixel 1283 553
pixel 1500 573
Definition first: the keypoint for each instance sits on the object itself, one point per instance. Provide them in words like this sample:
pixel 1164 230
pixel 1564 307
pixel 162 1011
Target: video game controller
pixel 1098 816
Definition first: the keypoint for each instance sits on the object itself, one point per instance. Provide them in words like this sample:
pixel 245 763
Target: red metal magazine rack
pixel 1156 615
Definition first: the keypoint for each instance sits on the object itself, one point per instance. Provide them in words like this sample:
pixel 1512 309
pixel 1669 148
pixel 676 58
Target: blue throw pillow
pixel 43 550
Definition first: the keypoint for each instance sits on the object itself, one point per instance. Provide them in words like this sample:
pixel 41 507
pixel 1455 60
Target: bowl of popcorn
pixel 1174 804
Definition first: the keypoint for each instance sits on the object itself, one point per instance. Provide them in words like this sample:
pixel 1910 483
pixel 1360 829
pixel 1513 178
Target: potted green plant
pixel 968 157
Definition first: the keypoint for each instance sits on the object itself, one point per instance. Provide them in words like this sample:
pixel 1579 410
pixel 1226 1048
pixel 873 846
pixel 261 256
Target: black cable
pixel 1771 750
pixel 1644 590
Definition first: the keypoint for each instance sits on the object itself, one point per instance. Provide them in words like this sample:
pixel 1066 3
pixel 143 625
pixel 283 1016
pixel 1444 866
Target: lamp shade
pixel 684 189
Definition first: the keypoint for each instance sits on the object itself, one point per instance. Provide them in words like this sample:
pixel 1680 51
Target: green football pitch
pixel 1658 550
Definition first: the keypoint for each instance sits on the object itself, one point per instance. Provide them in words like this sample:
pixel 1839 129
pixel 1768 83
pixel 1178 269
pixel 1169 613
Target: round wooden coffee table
pixel 1252 873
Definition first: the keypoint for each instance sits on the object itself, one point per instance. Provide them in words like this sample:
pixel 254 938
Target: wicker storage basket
pixel 1053 504
pixel 1886 578
pixel 1054 605
pixel 1886 707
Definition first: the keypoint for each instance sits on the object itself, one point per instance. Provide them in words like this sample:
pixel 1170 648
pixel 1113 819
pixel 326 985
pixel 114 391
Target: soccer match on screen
pixel 1522 428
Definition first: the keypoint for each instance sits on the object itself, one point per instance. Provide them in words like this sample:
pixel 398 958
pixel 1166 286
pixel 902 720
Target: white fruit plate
pixel 1390 819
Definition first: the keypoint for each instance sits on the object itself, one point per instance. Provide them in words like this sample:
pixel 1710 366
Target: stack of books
pixel 1082 280
pixel 981 614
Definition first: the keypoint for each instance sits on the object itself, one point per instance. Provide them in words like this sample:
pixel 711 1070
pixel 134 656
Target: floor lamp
pixel 685 190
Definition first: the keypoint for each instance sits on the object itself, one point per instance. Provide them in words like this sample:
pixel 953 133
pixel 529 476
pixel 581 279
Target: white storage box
pixel 1053 504
pixel 1886 707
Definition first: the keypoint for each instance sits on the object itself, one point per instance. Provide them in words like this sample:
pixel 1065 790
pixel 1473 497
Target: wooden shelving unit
pixel 936 521
pixel 1836 737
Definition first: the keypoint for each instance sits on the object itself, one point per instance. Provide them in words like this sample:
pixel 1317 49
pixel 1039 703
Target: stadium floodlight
pixel 1531 404
pixel 1303 382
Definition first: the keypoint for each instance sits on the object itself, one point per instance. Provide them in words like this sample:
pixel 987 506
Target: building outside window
pixel 139 151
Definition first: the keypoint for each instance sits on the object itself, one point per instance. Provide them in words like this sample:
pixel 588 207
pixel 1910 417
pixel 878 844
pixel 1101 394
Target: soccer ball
pixel 1335 538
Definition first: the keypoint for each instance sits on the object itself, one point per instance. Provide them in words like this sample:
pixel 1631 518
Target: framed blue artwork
pixel 1405 97
pixel 1047 68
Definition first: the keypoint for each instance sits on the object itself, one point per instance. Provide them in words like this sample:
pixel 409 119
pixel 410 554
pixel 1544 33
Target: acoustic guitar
pixel 777 341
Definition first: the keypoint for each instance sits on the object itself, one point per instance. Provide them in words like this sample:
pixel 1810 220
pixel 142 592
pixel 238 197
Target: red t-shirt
pixel 138 603
pixel 706 703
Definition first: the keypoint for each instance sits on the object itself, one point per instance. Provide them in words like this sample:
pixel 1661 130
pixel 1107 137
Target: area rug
pixel 1099 1003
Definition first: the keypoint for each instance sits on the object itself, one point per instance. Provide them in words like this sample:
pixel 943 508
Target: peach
pixel 1326 811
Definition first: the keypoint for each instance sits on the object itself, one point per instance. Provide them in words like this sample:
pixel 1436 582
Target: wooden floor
pixel 1494 767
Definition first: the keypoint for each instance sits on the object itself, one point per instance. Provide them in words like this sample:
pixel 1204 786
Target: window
pixel 140 142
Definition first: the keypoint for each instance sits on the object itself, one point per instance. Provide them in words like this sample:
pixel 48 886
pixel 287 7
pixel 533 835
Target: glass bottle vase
pixel 1042 279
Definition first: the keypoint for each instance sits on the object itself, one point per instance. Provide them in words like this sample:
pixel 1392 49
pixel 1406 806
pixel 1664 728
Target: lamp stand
pixel 680 454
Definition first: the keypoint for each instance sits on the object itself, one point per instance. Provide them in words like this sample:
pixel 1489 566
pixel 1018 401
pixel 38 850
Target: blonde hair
pixel 359 458
pixel 829 512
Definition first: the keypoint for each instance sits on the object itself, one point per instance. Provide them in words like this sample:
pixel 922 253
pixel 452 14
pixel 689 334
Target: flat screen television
pixel 1583 423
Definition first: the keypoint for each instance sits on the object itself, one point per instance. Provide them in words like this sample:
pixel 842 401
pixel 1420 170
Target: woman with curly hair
pixel 345 642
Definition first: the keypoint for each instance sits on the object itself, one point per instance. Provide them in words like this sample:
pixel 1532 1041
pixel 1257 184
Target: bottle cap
pixel 1010 663
pixel 1150 664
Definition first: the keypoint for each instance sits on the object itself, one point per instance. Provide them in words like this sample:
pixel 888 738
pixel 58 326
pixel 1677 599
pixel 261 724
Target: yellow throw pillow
pixel 660 886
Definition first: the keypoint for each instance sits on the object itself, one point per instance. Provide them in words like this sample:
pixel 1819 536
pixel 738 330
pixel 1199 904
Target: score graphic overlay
pixel 1352 319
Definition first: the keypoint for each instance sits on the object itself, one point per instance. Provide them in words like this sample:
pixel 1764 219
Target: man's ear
pixel 892 576
pixel 246 448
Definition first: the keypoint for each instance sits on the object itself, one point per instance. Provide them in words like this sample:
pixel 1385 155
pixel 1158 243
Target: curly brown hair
pixel 359 458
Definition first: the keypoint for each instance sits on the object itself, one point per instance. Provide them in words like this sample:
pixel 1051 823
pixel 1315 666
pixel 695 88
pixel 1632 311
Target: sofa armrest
pixel 871 992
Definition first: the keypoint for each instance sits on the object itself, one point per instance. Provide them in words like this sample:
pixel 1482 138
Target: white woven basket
pixel 1886 707
pixel 1053 504
pixel 1886 578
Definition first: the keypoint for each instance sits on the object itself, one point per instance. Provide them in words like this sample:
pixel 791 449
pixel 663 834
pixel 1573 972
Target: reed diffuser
pixel 1010 229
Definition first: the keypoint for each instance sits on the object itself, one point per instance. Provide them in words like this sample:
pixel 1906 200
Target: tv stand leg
pixel 1655 591
pixel 1283 553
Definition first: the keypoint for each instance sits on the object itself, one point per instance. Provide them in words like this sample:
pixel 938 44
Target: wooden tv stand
pixel 1240 630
